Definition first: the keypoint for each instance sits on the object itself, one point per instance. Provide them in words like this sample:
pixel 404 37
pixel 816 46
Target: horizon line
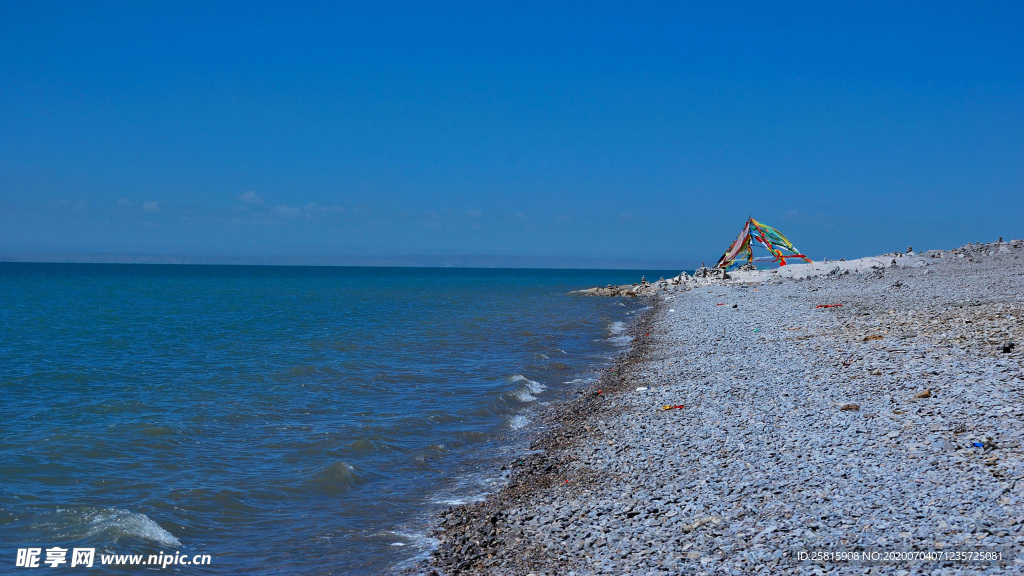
pixel 369 261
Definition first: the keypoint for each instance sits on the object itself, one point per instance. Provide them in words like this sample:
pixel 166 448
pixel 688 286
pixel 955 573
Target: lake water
pixel 285 420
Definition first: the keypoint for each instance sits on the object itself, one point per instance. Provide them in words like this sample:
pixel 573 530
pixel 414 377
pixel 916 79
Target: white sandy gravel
pixel 763 464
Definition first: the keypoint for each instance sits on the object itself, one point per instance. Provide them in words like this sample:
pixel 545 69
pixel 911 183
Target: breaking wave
pixel 105 524
pixel 527 390
pixel 337 478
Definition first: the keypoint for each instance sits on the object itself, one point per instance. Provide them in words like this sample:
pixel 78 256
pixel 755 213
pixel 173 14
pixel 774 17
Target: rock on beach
pixel 788 432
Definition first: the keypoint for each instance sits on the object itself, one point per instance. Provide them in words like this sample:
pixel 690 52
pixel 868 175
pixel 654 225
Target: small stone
pixel 850 407
pixel 925 394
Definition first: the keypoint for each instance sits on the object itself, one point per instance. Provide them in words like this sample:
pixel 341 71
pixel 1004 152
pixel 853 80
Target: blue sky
pixel 644 132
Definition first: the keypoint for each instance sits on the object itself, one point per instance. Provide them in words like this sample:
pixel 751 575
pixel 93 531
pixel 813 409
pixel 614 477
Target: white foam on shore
pixel 450 501
pixel 467 490
pixel 408 538
pixel 421 542
pixel 616 328
pixel 518 421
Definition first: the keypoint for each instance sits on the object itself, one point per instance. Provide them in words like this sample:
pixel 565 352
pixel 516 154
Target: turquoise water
pixel 285 420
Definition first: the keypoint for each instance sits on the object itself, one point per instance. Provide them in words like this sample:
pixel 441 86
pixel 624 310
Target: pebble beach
pixel 861 417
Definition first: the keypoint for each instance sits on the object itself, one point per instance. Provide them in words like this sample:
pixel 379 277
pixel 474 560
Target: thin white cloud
pixel 312 209
pixel 151 206
pixel 285 210
pixel 250 197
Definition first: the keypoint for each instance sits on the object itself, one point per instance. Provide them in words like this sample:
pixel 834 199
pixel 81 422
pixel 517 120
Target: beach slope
pixel 758 425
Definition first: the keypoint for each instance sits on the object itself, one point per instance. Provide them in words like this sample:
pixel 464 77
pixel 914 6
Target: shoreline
pixel 470 534
pixel 798 429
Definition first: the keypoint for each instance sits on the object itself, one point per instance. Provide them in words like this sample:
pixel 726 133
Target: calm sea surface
pixel 283 420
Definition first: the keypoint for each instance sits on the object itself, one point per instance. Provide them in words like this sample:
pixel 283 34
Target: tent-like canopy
pixel 766 236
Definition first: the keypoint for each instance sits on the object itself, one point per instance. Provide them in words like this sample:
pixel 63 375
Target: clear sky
pixel 618 132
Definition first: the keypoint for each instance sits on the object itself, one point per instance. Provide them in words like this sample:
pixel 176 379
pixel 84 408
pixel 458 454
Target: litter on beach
pixel 828 306
pixel 641 388
pixel 673 407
